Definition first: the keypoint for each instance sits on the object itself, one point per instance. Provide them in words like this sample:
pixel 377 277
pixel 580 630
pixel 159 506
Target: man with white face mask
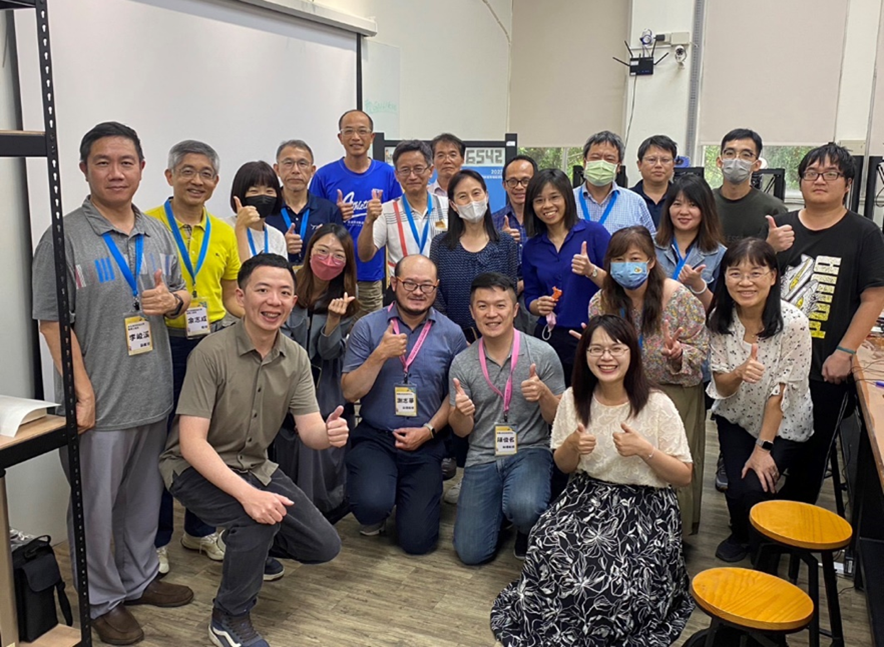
pixel 741 207
pixel 599 198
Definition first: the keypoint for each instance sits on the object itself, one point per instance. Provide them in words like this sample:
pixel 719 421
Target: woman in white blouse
pixel 760 361
pixel 605 563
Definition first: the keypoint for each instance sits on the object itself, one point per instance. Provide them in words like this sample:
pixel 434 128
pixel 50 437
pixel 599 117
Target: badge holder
pixel 196 318
pixel 138 336
pixel 506 442
pixel 406 400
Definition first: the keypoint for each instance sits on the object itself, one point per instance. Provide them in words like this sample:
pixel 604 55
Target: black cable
pixel 631 112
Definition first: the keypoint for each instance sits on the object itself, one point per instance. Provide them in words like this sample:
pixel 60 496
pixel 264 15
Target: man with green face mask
pixel 599 198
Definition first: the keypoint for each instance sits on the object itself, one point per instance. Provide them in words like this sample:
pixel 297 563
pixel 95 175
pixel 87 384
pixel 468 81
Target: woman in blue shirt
pixel 561 262
pixel 470 247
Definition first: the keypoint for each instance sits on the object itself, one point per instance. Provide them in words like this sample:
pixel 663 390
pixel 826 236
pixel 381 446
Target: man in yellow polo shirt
pixel 210 263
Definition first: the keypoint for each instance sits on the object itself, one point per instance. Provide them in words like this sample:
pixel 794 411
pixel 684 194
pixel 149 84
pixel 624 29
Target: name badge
pixel 138 338
pixel 505 441
pixel 441 224
pixel 406 400
pixel 196 319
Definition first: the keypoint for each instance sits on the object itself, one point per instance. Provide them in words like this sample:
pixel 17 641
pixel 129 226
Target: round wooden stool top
pixel 752 599
pixel 801 525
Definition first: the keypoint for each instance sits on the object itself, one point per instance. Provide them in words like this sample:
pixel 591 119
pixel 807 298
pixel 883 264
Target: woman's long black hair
pixel 455 222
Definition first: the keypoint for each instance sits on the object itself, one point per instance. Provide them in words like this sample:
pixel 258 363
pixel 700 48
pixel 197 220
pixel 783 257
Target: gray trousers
pixel 303 535
pixel 121 500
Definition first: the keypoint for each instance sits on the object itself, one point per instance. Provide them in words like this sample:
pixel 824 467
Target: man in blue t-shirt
pixel 349 183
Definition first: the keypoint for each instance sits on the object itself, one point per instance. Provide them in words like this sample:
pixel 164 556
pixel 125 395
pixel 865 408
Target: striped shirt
pixel 393 229
pixel 628 210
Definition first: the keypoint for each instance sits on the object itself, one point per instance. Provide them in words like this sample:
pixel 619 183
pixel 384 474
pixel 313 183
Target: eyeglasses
pixel 599 351
pixel 289 164
pixel 411 286
pixel 417 170
pixel 188 173
pixel 362 132
pixel 736 276
pixel 451 155
pixel 811 175
pixel 653 161
pixel 325 252
pixel 513 182
pixel 730 153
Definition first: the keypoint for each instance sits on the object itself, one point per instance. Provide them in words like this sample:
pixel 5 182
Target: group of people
pixel 348 337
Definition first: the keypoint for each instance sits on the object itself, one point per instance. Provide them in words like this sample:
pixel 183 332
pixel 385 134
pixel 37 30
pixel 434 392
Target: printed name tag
pixel 138 337
pixel 505 441
pixel 196 319
pixel 406 401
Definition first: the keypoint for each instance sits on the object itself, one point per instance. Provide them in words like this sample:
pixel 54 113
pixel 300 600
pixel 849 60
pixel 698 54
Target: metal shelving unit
pixel 53 432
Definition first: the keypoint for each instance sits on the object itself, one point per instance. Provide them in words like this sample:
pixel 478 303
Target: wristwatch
pixel 177 311
pixel 431 428
pixel 595 272
pixel 766 445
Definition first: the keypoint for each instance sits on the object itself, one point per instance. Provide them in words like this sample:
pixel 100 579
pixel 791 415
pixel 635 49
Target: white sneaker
pixel 452 494
pixel 163 556
pixel 373 530
pixel 212 545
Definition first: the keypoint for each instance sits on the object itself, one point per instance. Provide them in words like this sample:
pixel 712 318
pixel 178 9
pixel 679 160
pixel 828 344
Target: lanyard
pixel 252 242
pixel 288 221
pixel 681 259
pixel 185 255
pixel 420 240
pixel 607 209
pixel 406 363
pixel 123 263
pixel 507 394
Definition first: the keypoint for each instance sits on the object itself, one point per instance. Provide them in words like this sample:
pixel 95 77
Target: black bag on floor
pixel 37 579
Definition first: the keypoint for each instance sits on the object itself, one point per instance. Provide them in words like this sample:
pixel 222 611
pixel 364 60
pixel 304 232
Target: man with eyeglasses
pixel 303 212
pixel 832 265
pixel 599 198
pixel 209 259
pixel 351 182
pixel 397 363
pixel 448 156
pixel 408 223
pixel 656 164
pixel 741 207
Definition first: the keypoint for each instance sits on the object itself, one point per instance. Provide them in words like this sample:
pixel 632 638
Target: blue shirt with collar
pixel 544 267
pixel 629 210
pixel 322 212
pixel 668 261
pixel 428 374
pixel 654 208
pixel 507 216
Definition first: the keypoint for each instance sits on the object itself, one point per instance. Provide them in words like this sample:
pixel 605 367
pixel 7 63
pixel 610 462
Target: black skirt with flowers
pixel 604 567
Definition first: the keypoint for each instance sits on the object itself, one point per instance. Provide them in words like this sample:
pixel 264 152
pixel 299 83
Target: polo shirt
pixel 629 210
pixel 130 391
pixel 428 374
pixel 531 429
pixel 654 208
pixel 221 263
pixel 393 230
pixel 244 396
pixel 318 212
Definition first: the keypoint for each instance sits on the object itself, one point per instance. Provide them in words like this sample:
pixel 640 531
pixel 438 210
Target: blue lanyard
pixel 123 263
pixel 607 209
pixel 288 221
pixel 252 242
pixel 681 259
pixel 185 255
pixel 420 240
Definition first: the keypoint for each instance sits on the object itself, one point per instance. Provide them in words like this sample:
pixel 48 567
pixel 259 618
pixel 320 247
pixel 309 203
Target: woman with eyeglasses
pixel 760 354
pixel 470 247
pixel 671 326
pixel 605 565
pixel 320 322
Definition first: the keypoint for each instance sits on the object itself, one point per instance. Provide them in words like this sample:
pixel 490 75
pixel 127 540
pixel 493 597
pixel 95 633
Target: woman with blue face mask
pixel 671 325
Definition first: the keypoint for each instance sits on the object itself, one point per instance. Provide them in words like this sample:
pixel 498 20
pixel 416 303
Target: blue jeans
pixel 516 487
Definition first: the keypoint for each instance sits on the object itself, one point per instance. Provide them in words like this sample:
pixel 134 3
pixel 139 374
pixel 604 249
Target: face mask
pixel 474 211
pixel 630 275
pixel 326 268
pixel 263 203
pixel 736 171
pixel 600 172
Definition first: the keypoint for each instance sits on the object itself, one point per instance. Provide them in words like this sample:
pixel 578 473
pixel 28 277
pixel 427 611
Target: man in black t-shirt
pixel 832 266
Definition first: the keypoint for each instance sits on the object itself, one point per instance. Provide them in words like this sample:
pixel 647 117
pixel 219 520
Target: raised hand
pixel 533 388
pixel 392 345
pixel 375 206
pixel 338 307
pixel 515 234
pixel 337 428
pixel 631 443
pixel 780 238
pixel 293 242
pixel 578 335
pixel 157 301
pixel 751 370
pixel 580 263
pixel 462 401
pixel 582 441
pixel 692 277
pixel 345 207
pixel 672 348
pixel 245 216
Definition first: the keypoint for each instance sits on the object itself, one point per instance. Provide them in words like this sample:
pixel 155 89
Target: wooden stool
pixel 802 529
pixel 753 602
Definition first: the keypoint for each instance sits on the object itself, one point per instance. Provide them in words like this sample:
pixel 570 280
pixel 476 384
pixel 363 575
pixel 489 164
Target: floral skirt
pixel 604 567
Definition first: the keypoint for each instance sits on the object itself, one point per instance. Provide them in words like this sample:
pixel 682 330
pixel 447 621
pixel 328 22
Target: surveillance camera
pixel 680 51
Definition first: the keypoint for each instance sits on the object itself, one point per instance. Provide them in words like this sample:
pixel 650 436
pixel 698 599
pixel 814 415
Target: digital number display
pixel 485 157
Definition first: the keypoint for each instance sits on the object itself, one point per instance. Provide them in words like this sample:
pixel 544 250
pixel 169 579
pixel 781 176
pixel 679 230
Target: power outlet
pixel 674 38
pixel 855 146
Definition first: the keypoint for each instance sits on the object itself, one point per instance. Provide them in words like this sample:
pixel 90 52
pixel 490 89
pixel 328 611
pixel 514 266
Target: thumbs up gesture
pixel 631 443
pixel 672 348
pixel 462 401
pixel 692 277
pixel 337 428
pixel 515 234
pixel 533 388
pixel 293 242
pixel 375 206
pixel 582 441
pixel 580 263
pixel 345 207
pixel 751 371
pixel 157 301
pixel 245 216
pixel 780 238
pixel 392 345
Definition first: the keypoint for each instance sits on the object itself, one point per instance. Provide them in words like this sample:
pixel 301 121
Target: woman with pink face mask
pixel 320 322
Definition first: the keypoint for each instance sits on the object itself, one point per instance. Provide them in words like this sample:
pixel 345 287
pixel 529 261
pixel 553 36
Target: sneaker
pixel 234 631
pixel 449 468
pixel 452 494
pixel 373 529
pixel 720 475
pixel 163 556
pixel 212 545
pixel 731 550
pixel 521 547
pixel 273 569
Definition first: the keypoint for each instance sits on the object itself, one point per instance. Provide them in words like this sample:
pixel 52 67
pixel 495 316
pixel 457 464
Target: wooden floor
pixel 373 595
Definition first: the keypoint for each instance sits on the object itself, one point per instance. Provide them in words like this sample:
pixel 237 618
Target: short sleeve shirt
pixel 745 218
pixel 269 240
pixel 244 396
pixel 393 229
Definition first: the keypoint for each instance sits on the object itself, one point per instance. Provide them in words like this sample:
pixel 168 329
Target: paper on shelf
pixel 14 412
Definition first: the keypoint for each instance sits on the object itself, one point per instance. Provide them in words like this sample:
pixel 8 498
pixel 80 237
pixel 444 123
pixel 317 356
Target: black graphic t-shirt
pixel 825 272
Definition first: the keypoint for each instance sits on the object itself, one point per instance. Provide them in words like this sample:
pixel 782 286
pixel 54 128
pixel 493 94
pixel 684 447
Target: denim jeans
pixel 516 487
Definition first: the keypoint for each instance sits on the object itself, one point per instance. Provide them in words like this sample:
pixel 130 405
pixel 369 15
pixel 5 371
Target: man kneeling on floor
pixel 240 384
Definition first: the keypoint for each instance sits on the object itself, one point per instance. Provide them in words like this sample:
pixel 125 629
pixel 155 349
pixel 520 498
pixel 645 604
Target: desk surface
pixel 32 430
pixel 870 367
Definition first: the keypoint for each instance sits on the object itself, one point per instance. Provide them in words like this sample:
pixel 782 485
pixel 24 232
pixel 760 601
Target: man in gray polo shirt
pixel 123 279
pixel 240 384
pixel 504 394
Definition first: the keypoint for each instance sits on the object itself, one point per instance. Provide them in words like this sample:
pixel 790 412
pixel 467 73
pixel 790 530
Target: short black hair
pixel 520 158
pixel 534 226
pixel 362 112
pixel 251 174
pixel 743 133
pixel 837 155
pixel 262 260
pixel 491 280
pixel 605 137
pixel 448 138
pixel 297 143
pixel 109 129
pixel 660 141
pixel 412 146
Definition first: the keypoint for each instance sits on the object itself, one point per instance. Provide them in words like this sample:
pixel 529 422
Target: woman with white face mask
pixel 470 247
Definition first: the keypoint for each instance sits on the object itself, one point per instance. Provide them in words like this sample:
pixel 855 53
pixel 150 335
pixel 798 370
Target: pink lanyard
pixel 507 395
pixel 406 363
